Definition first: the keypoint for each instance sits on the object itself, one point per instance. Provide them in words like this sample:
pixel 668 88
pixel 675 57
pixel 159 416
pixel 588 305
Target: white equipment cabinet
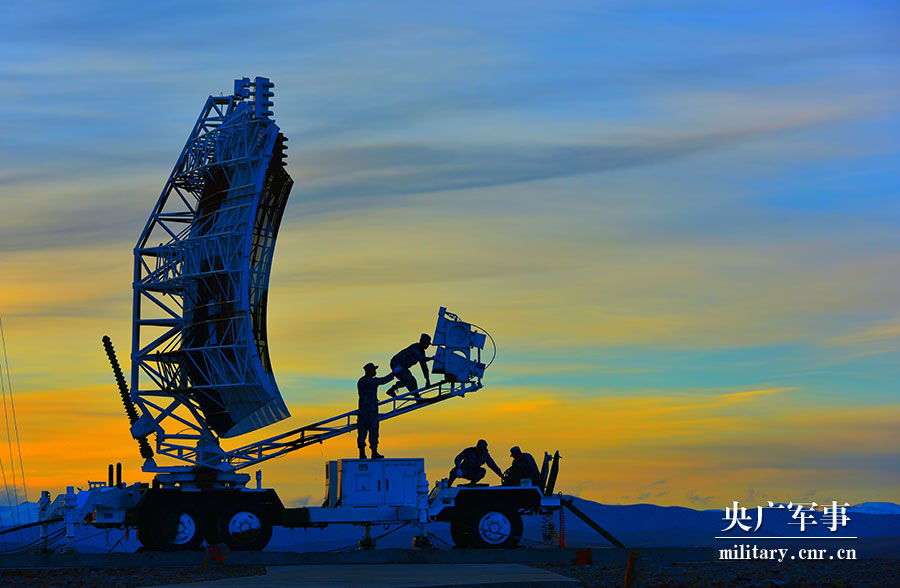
pixel 383 482
pixel 362 491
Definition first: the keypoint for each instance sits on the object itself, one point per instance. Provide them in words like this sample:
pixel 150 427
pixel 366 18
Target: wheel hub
pixel 494 528
pixel 244 526
pixel 187 528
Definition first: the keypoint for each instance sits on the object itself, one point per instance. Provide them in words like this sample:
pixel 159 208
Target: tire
pixel 212 532
pixel 461 533
pixel 245 528
pixel 145 534
pixel 174 528
pixel 496 527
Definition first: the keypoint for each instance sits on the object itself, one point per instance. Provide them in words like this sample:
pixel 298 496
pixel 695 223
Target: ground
pixel 120 577
pixel 867 573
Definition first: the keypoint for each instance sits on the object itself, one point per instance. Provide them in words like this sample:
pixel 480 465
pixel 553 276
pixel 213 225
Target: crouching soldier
pixel 523 468
pixel 469 462
pixel 367 415
pixel 405 359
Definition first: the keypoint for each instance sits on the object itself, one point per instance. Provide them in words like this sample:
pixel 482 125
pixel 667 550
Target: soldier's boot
pixel 375 454
pixel 362 453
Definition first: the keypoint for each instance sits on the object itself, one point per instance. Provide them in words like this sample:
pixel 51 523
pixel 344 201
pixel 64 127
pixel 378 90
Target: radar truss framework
pixel 201 272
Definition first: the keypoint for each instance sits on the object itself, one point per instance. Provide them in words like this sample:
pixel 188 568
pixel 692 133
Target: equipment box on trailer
pixel 363 482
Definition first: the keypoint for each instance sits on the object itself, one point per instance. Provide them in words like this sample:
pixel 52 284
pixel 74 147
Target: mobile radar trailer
pixel 200 365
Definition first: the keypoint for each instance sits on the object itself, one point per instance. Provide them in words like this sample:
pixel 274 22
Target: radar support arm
pixel 295 439
pixel 457 358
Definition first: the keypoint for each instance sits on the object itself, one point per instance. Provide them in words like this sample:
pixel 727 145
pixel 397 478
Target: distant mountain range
pixel 875 524
pixel 25 512
pixel 876 508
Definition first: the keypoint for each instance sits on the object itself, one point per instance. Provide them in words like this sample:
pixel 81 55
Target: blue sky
pixel 641 201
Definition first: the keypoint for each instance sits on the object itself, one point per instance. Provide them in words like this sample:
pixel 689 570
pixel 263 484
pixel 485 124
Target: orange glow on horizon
pixel 615 450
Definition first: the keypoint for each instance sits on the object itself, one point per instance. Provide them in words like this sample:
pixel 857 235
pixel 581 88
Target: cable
pixel 15 419
pixel 39 543
pixel 493 343
pixel 12 406
pixel 32 524
pixel 43 543
pixel 13 510
pixel 5 485
pixel 51 538
pixel 52 542
pixel 2 468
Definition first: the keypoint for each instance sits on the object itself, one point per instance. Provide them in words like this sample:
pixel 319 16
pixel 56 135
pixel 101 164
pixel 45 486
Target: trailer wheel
pixel 145 534
pixel 175 528
pixel 245 528
pixel 212 532
pixel 497 527
pixel 461 533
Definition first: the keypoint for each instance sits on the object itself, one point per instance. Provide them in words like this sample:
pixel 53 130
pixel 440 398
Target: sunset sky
pixel 680 225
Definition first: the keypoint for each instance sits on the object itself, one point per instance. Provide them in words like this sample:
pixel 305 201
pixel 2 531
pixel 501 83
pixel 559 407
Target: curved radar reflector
pixel 202 267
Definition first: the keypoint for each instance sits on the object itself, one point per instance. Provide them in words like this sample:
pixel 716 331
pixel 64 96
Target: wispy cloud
pixel 345 174
pixel 748 394
pixel 695 498
pixel 883 332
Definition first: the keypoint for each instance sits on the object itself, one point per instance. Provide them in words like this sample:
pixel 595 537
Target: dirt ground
pixel 868 573
pixel 120 577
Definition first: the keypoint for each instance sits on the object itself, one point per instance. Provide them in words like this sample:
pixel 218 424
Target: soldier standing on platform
pixel 367 415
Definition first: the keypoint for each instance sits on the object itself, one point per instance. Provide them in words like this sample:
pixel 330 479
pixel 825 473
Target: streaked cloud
pixel 883 332
pixel 416 169
pixel 750 393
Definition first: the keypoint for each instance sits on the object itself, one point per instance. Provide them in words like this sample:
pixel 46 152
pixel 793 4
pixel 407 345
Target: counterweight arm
pixel 130 410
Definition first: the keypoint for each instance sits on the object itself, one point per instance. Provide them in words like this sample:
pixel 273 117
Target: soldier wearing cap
pixel 407 358
pixel 367 415
pixel 523 468
pixel 469 462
